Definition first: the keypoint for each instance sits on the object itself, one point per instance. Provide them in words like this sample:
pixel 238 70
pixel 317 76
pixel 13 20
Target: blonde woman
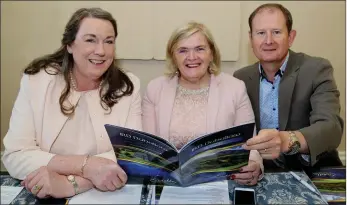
pixel 195 97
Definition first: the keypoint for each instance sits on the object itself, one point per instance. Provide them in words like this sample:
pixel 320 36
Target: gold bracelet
pixel 84 164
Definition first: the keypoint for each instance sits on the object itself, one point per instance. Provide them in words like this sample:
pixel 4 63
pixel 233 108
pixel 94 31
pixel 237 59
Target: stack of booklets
pixel 212 157
pixel 331 182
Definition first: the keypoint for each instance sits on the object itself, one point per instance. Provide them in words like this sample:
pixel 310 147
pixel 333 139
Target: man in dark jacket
pixel 294 97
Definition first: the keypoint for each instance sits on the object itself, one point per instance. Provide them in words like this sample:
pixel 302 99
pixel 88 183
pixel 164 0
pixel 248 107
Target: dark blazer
pixel 308 102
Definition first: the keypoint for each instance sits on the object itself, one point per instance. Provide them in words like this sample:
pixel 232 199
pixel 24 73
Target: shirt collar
pixel 279 72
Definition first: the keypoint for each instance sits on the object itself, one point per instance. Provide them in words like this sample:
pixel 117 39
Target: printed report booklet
pixel 208 158
pixel 331 182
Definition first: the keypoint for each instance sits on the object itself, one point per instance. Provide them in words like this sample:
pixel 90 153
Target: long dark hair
pixel 117 83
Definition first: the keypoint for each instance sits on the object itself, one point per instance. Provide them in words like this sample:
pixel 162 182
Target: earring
pixel 210 70
pixel 68 50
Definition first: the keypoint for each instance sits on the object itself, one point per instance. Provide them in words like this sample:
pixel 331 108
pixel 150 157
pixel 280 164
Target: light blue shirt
pixel 268 101
pixel 268 98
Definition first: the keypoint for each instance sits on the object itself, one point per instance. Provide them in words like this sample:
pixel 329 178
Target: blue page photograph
pixel 211 157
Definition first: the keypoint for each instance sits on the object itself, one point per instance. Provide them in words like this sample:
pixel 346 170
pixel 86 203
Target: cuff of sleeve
pixel 255 156
pixel 108 155
pixel 19 169
pixel 305 159
pixel 261 176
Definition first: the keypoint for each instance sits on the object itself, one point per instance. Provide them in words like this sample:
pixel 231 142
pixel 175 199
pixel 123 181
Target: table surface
pixel 274 188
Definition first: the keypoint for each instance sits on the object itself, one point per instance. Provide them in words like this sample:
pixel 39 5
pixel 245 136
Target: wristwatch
pixel 71 178
pixel 294 144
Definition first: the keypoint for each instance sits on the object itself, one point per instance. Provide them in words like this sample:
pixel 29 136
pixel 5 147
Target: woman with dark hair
pixel 56 142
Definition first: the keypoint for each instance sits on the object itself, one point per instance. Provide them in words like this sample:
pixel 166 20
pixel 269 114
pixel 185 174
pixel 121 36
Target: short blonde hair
pixel 184 32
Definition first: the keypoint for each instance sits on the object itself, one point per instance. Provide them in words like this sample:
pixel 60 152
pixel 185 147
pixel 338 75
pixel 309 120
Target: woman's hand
pixel 249 174
pixel 45 183
pixel 105 174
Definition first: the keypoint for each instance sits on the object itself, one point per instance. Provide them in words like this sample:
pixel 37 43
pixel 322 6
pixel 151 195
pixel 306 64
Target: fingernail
pixel 232 177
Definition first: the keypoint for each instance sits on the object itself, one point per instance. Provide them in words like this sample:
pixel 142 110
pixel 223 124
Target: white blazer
pixel 36 121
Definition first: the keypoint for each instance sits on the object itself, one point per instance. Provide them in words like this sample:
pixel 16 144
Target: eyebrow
pixel 199 46
pixel 272 29
pixel 94 36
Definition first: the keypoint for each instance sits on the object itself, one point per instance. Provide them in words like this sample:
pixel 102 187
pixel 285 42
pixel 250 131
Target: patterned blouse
pixel 188 120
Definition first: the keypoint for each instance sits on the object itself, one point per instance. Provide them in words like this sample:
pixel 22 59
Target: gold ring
pixel 36 189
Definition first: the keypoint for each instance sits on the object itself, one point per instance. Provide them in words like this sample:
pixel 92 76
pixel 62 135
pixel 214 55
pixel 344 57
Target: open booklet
pixel 211 157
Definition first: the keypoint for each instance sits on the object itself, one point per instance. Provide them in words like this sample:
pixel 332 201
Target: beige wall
pixel 320 31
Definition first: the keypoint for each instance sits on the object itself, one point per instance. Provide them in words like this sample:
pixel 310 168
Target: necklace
pixel 199 91
pixel 74 84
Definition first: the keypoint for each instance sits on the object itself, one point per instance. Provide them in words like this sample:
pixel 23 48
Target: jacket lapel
pixel 286 88
pixel 166 102
pixel 54 119
pixel 99 117
pixel 253 92
pixel 212 104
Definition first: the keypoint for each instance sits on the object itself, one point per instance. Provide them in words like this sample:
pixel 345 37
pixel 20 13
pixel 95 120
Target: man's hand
pixel 269 143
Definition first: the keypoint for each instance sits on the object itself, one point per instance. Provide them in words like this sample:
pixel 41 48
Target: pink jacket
pixel 228 106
